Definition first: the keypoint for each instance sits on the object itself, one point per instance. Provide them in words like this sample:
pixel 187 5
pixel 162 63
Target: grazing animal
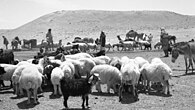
pixel 156 72
pixel 109 46
pixel 116 62
pixel 30 80
pixel 83 47
pixel 156 60
pixel 132 34
pixel 101 60
pixel 118 45
pixel 28 43
pixel 158 45
pixel 172 39
pixel 78 56
pixel 92 46
pixel 88 40
pixel 6 56
pixel 186 49
pixel 108 75
pixel 130 77
pixel 56 75
pixel 15 78
pixel 146 44
pixel 126 44
pixel 140 61
pixel 9 70
pixel 78 87
pixel 69 70
pixel 82 66
pixel 15 43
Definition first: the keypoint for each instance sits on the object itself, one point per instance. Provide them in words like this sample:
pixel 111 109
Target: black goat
pixel 100 53
pixel 6 56
pixel 147 46
pixel 78 87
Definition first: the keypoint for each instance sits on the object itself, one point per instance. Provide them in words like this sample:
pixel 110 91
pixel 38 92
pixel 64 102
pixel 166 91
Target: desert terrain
pixel 66 25
pixel 69 24
pixel 182 89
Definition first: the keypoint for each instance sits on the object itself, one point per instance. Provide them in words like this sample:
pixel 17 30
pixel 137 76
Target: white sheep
pixel 17 73
pixel 140 61
pixel 130 76
pixel 116 62
pixel 157 72
pixel 101 60
pixel 40 64
pixel 30 78
pixel 67 47
pixel 83 66
pixel 92 46
pixel 156 60
pixel 9 69
pixel 78 56
pixel 108 75
pixel 125 60
pixel 68 69
pixel 15 78
pixel 56 75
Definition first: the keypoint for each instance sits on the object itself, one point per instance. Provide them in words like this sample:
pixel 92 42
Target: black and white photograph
pixel 97 54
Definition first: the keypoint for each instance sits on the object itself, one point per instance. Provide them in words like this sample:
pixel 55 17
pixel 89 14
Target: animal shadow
pixel 184 74
pixel 17 97
pixel 157 93
pixel 24 105
pixel 52 96
pixel 5 88
pixel 128 98
pixel 75 109
pixel 6 92
pixel 25 95
pixel 103 94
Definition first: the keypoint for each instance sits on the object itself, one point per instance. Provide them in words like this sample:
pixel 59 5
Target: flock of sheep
pixel 75 75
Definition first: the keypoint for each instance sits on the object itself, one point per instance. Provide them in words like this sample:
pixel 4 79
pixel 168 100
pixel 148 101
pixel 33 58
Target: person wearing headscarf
pixel 49 38
pixel 164 39
pixel 5 42
pixel 102 40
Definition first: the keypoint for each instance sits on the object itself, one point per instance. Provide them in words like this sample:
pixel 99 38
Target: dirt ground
pixel 182 91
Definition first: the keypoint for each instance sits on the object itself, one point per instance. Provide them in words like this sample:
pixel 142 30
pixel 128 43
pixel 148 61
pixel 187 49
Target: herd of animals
pixel 132 41
pixel 71 71
pixel 76 74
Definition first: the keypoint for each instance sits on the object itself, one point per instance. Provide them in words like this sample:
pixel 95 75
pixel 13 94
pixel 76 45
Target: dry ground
pixel 182 91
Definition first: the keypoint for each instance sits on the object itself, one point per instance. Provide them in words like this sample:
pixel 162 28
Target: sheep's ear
pixel 97 75
pixel 92 77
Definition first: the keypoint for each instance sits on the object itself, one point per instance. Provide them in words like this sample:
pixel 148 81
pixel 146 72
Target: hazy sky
pixel 14 13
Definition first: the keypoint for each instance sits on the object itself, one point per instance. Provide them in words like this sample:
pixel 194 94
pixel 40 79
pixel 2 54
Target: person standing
pixel 5 42
pixel 102 41
pixel 49 38
pixel 150 36
pixel 164 39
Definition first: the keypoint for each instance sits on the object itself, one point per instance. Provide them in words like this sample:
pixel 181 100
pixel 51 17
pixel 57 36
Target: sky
pixel 15 13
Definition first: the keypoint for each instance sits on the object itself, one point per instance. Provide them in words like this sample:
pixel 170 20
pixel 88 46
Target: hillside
pixel 68 24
